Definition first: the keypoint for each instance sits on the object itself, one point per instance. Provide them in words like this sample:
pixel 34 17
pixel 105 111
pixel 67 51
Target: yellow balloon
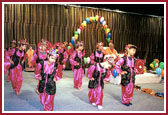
pixel 76 37
pixel 108 30
pixel 97 17
pixel 152 66
pixel 84 23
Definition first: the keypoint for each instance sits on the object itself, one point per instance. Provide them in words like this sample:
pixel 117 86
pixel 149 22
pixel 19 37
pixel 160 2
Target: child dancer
pixel 96 82
pixel 47 81
pixel 15 65
pixel 96 57
pixel 77 61
pixel 39 56
pixel 8 51
pixel 62 59
pixel 125 66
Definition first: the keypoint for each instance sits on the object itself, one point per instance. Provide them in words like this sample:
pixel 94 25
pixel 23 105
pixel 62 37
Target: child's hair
pixel 129 46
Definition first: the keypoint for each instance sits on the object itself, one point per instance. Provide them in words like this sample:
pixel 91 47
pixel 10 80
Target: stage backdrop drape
pixel 57 23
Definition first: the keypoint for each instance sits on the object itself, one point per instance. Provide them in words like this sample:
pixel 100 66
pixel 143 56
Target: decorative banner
pixel 90 20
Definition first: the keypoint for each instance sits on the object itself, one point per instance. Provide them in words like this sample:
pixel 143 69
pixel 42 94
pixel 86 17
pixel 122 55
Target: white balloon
pixel 104 23
pixel 156 65
pixel 88 60
pixel 79 31
pixel 101 19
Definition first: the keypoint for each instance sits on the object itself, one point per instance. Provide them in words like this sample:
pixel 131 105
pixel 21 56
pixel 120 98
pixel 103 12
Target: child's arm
pixel 92 58
pixel 90 72
pixel 118 66
pixel 37 72
pixel 72 61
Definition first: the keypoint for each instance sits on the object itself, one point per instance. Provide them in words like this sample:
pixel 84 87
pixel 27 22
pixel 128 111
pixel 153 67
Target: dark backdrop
pixel 57 23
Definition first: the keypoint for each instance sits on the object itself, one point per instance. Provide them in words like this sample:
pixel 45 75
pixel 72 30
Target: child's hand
pixel 123 72
pixel 77 63
pixel 11 61
pixel 55 80
pixel 64 66
pixel 92 78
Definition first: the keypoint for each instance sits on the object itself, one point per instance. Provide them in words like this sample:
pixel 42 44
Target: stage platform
pixel 139 79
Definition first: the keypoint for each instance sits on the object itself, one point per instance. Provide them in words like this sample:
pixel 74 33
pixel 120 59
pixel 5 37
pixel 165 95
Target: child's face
pixel 100 47
pixel 132 51
pixel 80 48
pixel 13 45
pixel 52 59
pixel 43 47
pixel 23 47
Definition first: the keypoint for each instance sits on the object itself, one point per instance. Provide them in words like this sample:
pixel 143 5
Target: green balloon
pixel 85 60
pixel 93 19
pixel 108 39
pixel 76 32
pixel 154 63
pixel 161 65
pixel 68 47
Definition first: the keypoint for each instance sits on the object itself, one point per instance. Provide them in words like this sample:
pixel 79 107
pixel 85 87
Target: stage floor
pixel 139 79
pixel 69 99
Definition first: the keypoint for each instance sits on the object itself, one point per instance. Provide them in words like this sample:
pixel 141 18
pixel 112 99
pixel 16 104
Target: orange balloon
pixel 90 19
pixel 162 73
pixel 82 25
pixel 105 26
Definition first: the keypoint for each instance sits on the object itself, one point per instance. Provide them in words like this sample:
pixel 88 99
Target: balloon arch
pixel 90 20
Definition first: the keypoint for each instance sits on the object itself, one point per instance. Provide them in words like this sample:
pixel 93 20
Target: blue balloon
pixel 101 22
pixel 114 72
pixel 87 20
pixel 158 71
pixel 72 42
pixel 109 35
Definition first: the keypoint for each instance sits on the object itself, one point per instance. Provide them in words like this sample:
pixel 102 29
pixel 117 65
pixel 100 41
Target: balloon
pixel 79 30
pixel 90 19
pixel 151 65
pixel 73 38
pixel 107 30
pixel 101 19
pixel 68 47
pixel 162 73
pixel 97 17
pixel 154 63
pixel 109 35
pixel 76 32
pixel 161 65
pixel 114 72
pixel 104 23
pixel 85 60
pixel 76 37
pixel 105 26
pixel 82 25
pixel 72 42
pixel 84 22
pixel 93 18
pixel 101 22
pixel 158 71
pixel 87 20
pixel 88 60
pixel 108 39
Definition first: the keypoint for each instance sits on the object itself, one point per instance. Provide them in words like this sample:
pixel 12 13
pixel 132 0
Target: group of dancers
pixel 50 59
